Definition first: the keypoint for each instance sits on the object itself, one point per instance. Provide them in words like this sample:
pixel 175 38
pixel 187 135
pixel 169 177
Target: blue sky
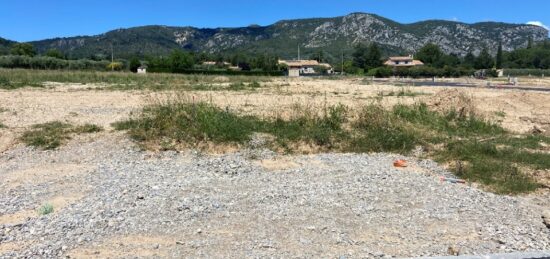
pixel 39 19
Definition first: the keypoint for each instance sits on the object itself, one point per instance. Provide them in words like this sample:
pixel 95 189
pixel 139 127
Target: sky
pixel 40 19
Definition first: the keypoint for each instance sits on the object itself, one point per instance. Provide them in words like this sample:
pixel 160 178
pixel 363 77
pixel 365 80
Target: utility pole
pixel 299 52
pixel 112 58
pixel 342 71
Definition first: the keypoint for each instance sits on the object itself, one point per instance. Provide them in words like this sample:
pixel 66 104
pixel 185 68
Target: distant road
pixel 455 84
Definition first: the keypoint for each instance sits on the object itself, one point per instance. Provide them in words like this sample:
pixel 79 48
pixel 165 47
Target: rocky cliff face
pixel 332 35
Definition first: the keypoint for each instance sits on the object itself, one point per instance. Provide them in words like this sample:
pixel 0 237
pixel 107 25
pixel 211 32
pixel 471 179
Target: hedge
pixel 42 62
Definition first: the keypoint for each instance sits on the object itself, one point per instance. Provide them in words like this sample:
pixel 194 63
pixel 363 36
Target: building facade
pixel 407 61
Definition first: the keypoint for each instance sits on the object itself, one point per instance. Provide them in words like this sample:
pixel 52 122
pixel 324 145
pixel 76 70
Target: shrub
pixel 45 209
pixel 380 72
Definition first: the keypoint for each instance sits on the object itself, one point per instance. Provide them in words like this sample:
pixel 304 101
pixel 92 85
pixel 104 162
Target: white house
pixel 142 70
pixel 297 68
pixel 408 61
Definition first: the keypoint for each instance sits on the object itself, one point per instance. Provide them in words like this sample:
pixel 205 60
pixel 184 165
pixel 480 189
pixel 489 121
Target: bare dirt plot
pixel 111 200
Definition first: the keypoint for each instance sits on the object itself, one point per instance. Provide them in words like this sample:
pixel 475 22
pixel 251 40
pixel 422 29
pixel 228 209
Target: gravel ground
pixel 113 200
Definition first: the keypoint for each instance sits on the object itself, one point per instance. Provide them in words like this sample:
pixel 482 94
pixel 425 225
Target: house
pixel 408 61
pixel 234 68
pixel 142 70
pixel 297 68
pixel 209 63
pixel 214 63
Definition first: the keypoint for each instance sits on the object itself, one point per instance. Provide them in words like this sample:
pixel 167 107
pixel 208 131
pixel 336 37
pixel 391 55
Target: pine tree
pixel 373 59
pixel 499 56
pixel 484 60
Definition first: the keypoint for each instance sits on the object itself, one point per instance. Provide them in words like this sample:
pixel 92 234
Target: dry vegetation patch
pixel 454 134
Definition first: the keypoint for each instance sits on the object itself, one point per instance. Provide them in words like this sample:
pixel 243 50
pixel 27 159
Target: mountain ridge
pixel 333 35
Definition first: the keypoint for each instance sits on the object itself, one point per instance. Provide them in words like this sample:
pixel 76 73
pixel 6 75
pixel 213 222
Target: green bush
pixel 380 72
pixel 50 63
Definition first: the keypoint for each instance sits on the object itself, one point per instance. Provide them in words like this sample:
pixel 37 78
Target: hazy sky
pixel 39 19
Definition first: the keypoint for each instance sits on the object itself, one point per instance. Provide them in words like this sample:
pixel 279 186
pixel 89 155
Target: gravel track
pixel 113 200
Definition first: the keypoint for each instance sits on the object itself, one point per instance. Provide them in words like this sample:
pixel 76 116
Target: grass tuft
pixel 87 128
pixel 53 134
pixel 45 209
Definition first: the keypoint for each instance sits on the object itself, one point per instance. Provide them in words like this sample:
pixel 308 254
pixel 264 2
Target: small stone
pixel 546 218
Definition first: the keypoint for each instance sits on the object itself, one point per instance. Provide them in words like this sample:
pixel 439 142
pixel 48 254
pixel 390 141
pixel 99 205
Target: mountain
pixel 332 35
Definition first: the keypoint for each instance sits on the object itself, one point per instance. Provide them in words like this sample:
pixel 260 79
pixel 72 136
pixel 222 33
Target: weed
pixel 53 134
pixel 45 209
pixel 401 93
pixel 47 136
pixel 485 163
pixel 488 153
pixel 380 131
pixel 501 114
pixel 188 123
pixel 254 84
pixel 87 128
pixel 237 87
pixel 5 83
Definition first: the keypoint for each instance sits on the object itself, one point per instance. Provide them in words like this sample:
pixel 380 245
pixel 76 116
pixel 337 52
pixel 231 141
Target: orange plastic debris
pixel 400 163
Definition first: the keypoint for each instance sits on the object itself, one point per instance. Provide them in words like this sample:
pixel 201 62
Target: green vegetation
pixel 23 49
pixel 242 86
pixel 484 151
pixel 401 93
pixel 54 53
pixel 534 61
pixel 51 63
pixel 53 134
pixel 45 209
pixel 2 125
pixel 366 58
pixel 16 78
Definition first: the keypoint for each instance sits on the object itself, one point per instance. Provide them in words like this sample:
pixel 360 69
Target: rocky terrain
pixel 112 200
pixel 332 35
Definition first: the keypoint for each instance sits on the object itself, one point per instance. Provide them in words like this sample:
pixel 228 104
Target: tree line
pixel 369 60
pixel 365 60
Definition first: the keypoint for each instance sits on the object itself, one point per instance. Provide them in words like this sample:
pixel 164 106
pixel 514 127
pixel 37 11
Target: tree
pixel 23 49
pixel 373 59
pixel 499 57
pixel 55 53
pixel 431 54
pixel 451 60
pixel 180 60
pixel 484 60
pixel 134 64
pixel 469 60
pixel 319 56
pixel 359 54
pixel 367 57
